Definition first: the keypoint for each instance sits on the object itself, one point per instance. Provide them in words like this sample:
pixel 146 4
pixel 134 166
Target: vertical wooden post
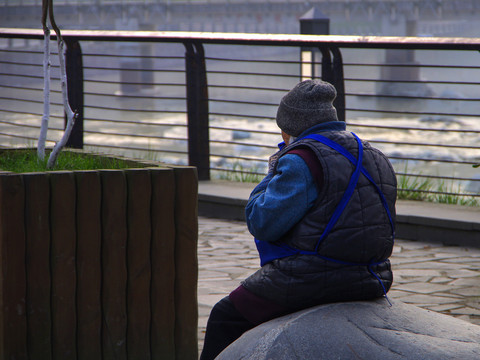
pixel 89 270
pixel 13 321
pixel 63 269
pixel 114 265
pixel 138 263
pixel 37 227
pixel 186 263
pixel 163 264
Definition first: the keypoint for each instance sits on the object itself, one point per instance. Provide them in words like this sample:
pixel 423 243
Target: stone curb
pixel 416 220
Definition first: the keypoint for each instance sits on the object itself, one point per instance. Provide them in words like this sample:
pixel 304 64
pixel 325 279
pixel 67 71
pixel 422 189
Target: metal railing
pixel 209 99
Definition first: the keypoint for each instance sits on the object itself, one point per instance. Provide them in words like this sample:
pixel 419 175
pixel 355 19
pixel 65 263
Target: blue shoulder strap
pixel 352 184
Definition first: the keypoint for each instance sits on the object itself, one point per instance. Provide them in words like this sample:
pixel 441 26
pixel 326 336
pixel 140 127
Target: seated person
pixel 323 219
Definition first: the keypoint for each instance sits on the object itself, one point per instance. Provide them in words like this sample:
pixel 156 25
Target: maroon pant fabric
pixel 224 326
pixel 254 308
pixel 234 315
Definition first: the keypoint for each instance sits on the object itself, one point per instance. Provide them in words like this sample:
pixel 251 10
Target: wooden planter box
pixel 99 264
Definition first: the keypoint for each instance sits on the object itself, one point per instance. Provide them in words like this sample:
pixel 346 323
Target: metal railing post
pixel 338 82
pixel 74 70
pixel 332 72
pixel 197 109
pixel 327 69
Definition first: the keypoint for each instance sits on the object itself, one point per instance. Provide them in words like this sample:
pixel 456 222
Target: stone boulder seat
pixel 359 330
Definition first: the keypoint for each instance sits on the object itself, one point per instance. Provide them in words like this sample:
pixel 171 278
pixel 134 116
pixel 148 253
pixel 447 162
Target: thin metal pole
pixel 74 67
pixel 339 83
pixel 332 72
pixel 197 110
pixel 327 70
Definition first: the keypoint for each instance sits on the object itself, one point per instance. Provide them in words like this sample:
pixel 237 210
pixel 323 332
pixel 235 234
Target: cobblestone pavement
pixel 435 277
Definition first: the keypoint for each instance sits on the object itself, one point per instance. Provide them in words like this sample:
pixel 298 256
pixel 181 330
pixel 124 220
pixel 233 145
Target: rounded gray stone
pixel 359 330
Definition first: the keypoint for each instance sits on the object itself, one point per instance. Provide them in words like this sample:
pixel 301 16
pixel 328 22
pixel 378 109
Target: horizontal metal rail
pixel 339 41
pixel 147 96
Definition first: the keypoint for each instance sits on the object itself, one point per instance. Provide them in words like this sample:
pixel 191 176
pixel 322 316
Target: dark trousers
pixel 224 326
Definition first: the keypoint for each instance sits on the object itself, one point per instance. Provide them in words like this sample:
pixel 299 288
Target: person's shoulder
pixel 309 160
pixel 302 152
pixel 292 159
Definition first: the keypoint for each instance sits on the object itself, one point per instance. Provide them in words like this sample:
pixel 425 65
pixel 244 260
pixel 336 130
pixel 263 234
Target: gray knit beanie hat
pixel 309 103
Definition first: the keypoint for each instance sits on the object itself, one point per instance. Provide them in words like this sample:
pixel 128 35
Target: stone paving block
pixel 417 272
pixel 222 264
pixel 405 261
pixel 470 291
pixel 469 261
pixel 465 311
pixel 221 286
pixel 429 265
pixel 441 280
pixel 211 299
pixel 411 245
pixel 460 251
pixel 450 295
pixel 421 299
pixel 445 307
pixel 463 273
pixel 398 279
pixel 232 270
pixel 423 288
pixel 474 303
pixel 398 294
pixel 446 256
pixel 419 253
pixel 209 274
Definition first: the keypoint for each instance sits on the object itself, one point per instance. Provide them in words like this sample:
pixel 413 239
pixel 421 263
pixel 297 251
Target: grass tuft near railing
pixel 240 174
pixel 411 188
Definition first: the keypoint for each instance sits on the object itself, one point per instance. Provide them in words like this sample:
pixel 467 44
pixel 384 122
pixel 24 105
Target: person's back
pixel 323 220
pixel 351 257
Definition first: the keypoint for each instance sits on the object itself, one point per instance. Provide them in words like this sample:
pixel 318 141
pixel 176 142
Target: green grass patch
pixel 240 174
pixel 412 188
pixel 23 161
pixel 451 197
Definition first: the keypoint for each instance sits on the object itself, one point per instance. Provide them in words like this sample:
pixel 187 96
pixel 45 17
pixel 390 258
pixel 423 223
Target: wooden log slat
pixel 186 262
pixel 37 226
pixel 139 264
pixel 163 266
pixel 13 322
pixel 89 272
pixel 114 266
pixel 63 269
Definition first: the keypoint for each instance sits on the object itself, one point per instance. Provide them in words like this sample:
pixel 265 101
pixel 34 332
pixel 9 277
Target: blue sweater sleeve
pixel 281 200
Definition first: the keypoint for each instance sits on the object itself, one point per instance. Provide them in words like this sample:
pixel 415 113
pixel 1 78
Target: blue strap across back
pixel 352 184
pixel 346 198
pixel 347 194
